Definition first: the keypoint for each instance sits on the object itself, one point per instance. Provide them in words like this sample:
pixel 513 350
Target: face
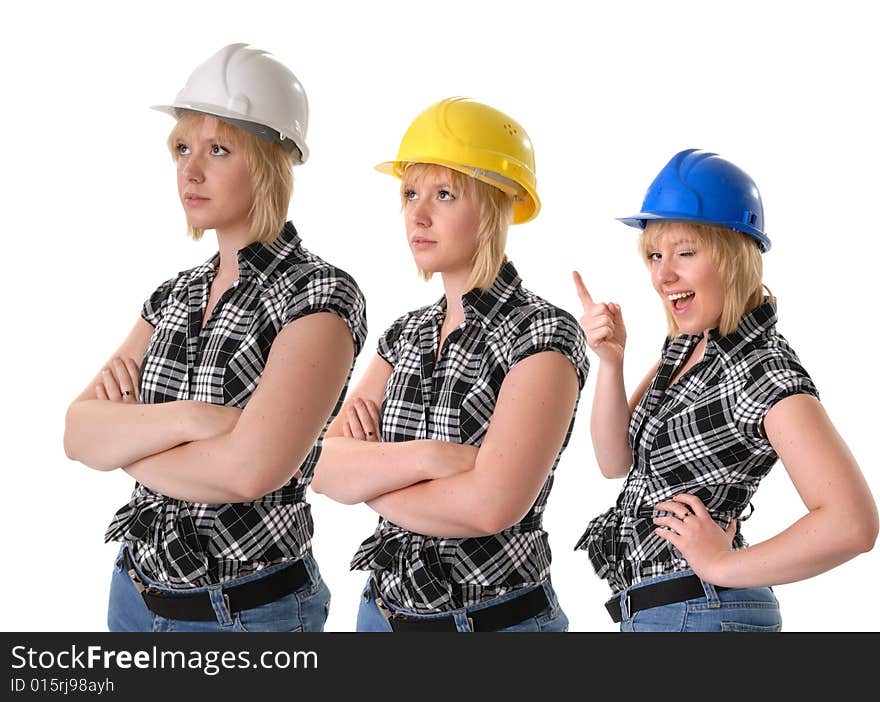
pixel 687 279
pixel 441 223
pixel 213 180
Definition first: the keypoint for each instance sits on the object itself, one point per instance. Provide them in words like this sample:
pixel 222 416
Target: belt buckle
pixel 470 621
pixel 385 611
pixel 629 612
pixel 139 586
pixel 228 605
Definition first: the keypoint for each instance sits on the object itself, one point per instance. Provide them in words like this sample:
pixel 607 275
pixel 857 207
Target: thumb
pixel 731 529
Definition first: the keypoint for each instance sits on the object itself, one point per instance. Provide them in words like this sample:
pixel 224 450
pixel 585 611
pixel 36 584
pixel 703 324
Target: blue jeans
pixel 739 609
pixel 303 610
pixel 370 618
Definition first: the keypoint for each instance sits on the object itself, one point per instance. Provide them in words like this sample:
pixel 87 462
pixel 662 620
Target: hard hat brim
pixel 640 220
pixel 223 113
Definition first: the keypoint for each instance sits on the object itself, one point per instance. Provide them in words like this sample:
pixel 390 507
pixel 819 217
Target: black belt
pixel 658 594
pixel 197 607
pixel 493 618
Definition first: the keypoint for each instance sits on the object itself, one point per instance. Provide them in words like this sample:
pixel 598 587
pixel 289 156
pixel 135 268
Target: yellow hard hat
pixel 477 140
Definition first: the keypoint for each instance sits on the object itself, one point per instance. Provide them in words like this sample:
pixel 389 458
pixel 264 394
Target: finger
pixel 694 502
pixel 594 338
pixel 120 372
pixel 100 392
pixel 670 536
pixel 357 431
pixel 346 430
pixel 110 385
pixel 365 418
pixel 133 373
pixel 731 529
pixel 614 309
pixel 602 321
pixel 671 522
pixel 679 510
pixel 374 414
pixel 583 293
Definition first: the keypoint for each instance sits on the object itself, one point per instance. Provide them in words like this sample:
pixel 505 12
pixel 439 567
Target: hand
pixel 212 420
pixel 443 459
pixel 361 420
pixel 603 324
pixel 695 534
pixel 119 381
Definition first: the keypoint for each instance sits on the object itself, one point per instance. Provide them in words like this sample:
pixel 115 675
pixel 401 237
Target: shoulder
pixel 530 324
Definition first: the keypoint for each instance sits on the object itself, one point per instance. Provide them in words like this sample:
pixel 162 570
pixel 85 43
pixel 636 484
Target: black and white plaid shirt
pixel 704 436
pixel 454 402
pixel 186 544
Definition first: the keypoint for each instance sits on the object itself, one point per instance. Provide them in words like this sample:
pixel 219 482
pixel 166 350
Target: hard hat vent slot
pixel 510 129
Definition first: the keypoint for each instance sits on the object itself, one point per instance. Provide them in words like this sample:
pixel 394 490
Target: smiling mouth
pixel 681 300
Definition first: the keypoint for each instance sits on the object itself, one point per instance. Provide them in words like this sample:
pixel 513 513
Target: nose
pixel 665 271
pixel 419 213
pixel 192 169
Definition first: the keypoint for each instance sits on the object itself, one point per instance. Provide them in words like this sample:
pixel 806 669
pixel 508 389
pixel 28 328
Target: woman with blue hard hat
pixel 726 399
pixel 455 429
pixel 217 400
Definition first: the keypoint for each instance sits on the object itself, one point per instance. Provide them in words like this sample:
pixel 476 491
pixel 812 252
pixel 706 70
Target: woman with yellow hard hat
pixel 196 404
pixel 454 431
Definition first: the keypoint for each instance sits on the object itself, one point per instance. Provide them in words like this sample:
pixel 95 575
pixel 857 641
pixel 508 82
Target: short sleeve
pixel 772 379
pixel 155 304
pixel 331 290
pixel 551 329
pixel 387 346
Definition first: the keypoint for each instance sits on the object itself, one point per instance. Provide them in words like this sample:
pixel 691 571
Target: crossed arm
pixel 450 490
pixel 206 453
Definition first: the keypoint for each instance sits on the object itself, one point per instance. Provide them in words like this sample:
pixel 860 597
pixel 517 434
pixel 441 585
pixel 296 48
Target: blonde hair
pixel 739 264
pixel 496 214
pixel 271 169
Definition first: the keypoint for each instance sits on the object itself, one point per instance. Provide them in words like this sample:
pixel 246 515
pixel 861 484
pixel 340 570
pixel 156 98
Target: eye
pixel 182 149
pixel 654 256
pixel 686 252
pixel 445 195
pixel 409 194
pixel 218 150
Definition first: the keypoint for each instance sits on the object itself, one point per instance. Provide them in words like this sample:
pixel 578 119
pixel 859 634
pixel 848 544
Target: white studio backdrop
pixel 607 94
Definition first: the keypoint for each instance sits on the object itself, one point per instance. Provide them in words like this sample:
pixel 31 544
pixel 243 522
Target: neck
pixel 229 243
pixel 454 285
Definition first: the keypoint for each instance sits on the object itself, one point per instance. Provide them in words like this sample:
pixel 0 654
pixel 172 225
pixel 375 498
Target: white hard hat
pixel 252 90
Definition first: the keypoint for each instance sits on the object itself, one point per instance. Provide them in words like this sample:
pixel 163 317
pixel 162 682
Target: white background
pixel 92 224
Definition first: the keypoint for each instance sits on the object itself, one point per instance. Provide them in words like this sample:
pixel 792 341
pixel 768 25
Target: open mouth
pixel 681 300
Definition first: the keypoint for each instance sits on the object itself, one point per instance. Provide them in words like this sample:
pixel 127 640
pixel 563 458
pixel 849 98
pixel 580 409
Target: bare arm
pixel 303 378
pixel 841 521
pixel 353 470
pixel 114 431
pixel 528 426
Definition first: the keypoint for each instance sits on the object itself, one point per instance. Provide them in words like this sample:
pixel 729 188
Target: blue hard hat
pixel 701 186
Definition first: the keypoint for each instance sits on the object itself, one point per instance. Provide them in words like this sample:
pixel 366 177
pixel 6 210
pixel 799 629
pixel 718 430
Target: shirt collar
pixel 483 305
pixel 263 258
pixel 752 325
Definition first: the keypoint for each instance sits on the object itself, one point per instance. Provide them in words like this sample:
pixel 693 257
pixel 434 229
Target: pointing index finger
pixel 583 293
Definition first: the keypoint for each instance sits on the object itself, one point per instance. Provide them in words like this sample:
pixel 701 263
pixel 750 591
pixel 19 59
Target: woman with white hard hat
pixel 726 399
pixel 217 400
pixel 454 431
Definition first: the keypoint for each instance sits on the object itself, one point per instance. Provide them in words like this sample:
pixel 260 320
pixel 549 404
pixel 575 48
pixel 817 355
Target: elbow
pixel 496 519
pixel 321 486
pixel 865 533
pixel 614 470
